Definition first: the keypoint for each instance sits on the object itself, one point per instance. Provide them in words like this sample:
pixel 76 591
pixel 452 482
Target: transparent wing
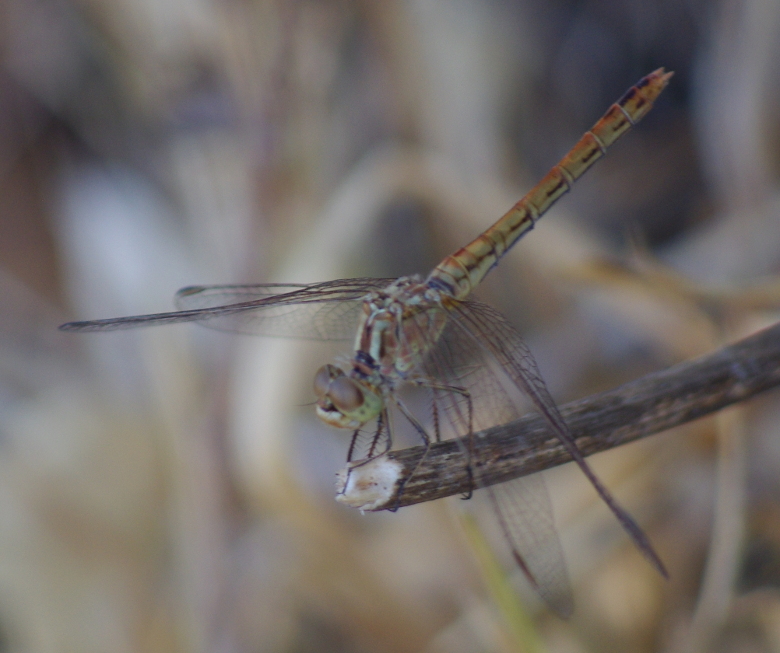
pixel 522 506
pixel 495 335
pixel 319 311
pixel 524 512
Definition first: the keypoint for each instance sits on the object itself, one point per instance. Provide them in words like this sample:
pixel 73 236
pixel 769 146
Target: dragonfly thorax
pixel 399 325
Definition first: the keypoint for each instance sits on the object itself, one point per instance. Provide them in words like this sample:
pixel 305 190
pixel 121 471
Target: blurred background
pixel 170 489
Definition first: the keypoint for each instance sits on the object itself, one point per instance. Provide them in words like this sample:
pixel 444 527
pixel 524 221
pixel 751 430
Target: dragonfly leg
pixel 352 445
pixel 470 473
pixel 437 430
pixel 413 421
pixel 382 423
pixel 470 443
pixel 426 441
pixel 468 449
pixel 381 433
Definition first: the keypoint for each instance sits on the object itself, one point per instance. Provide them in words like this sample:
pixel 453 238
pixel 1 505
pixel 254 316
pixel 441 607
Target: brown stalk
pixel 648 405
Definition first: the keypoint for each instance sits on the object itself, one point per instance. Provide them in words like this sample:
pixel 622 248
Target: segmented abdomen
pixel 459 273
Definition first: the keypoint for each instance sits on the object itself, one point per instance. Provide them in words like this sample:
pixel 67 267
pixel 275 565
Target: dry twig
pixel 648 405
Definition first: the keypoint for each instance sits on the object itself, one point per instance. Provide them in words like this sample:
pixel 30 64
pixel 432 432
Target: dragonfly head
pixel 343 401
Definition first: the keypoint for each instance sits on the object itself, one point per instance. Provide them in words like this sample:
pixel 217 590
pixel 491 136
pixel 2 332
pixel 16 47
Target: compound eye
pixel 323 378
pixel 345 394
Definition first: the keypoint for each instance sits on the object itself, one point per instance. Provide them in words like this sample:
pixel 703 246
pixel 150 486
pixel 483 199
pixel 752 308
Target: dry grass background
pixel 170 490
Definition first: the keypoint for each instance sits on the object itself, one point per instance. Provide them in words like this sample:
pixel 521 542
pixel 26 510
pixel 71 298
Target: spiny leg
pixel 469 449
pixel 352 445
pixel 436 419
pixel 426 441
pixel 436 429
pixel 382 425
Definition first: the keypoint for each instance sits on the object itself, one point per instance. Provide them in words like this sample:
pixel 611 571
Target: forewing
pixel 321 311
pixel 494 334
pixel 522 506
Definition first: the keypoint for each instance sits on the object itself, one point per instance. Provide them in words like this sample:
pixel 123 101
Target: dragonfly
pixel 428 333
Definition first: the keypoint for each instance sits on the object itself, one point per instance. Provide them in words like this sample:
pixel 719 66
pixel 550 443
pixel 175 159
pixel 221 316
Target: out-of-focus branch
pixel 648 405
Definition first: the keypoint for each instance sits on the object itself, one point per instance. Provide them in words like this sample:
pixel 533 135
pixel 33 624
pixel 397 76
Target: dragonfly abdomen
pixel 465 269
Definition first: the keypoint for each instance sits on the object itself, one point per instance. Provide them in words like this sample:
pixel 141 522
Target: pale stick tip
pixel 368 484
